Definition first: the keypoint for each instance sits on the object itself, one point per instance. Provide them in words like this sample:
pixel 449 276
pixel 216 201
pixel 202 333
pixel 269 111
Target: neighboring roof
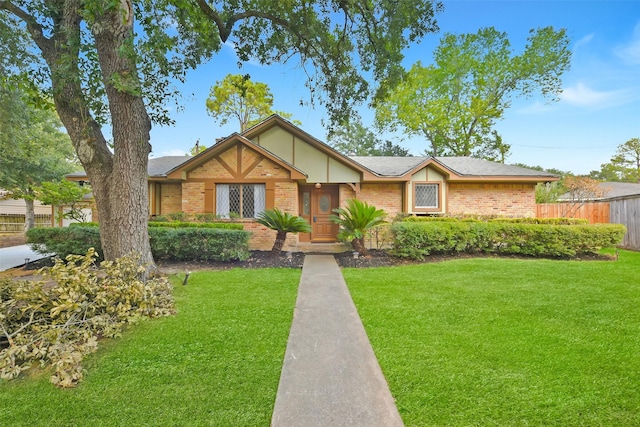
pixel 612 190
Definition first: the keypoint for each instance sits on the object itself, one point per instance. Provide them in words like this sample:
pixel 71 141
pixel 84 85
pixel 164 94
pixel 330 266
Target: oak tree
pixel 455 102
pixel 112 63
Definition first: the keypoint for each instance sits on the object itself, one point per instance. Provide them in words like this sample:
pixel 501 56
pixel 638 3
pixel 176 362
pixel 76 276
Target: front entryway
pixel 317 205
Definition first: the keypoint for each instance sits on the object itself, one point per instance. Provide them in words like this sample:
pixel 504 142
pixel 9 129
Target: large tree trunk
pixel 30 215
pixel 119 178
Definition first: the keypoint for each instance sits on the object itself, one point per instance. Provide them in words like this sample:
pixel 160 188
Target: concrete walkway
pixel 15 256
pixel 330 375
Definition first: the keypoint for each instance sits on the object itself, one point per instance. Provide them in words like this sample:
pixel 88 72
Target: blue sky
pixel 599 108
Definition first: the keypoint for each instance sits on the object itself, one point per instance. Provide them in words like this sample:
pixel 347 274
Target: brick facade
pixel 507 200
pixel 193 197
pixel 387 197
pixel 170 198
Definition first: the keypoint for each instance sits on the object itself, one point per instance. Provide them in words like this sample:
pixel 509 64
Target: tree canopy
pixel 624 164
pixel 112 62
pixel 456 102
pixel 238 97
pixel 354 139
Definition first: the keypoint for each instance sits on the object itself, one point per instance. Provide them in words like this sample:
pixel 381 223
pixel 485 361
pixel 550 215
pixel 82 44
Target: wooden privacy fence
pixel 14 223
pixel 595 212
pixel 627 211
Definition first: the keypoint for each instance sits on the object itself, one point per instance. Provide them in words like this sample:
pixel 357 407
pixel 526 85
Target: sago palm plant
pixel 355 221
pixel 283 223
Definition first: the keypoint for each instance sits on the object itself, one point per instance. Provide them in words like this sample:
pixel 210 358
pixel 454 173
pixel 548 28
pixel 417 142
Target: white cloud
pixel 630 52
pixel 583 41
pixel 583 96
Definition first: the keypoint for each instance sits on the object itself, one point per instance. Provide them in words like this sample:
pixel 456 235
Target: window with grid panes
pixel 426 196
pixel 240 200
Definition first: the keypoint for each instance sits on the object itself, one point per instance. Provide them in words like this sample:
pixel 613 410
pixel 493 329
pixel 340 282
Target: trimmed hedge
pixel 549 221
pixel 181 244
pixel 199 244
pixel 177 224
pixel 416 240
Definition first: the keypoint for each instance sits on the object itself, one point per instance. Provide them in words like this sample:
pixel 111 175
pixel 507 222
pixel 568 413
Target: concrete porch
pixel 319 248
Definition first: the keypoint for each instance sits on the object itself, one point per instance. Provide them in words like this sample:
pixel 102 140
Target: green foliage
pixel 57 324
pixel 455 103
pixel 278 220
pixel 550 221
pixel 65 241
pixel 201 243
pixel 64 193
pixel 416 240
pixel 353 139
pixel 624 165
pixel 179 224
pixel 238 97
pixel 283 223
pixel 355 221
pixel 185 244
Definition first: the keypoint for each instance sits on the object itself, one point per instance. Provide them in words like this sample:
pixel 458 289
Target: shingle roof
pixel 387 165
pixel 612 190
pixel 159 166
pixel 479 167
pixel 464 166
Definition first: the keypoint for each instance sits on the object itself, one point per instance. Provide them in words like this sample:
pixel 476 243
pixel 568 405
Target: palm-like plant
pixel 282 223
pixel 355 221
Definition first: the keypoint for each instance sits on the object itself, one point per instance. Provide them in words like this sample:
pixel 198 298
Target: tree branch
pixel 34 28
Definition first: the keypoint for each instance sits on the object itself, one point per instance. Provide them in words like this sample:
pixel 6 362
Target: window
pixel 426 196
pixel 240 200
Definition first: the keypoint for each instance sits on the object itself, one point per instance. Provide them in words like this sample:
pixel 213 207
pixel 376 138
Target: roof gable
pixel 229 159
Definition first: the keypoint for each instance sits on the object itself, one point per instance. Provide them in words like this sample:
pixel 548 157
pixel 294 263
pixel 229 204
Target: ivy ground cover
pixel 217 362
pixel 507 341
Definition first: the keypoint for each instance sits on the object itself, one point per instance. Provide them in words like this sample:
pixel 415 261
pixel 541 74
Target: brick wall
pixel 267 169
pixel 508 200
pixel 286 197
pixel 387 197
pixel 170 198
pixel 262 238
pixel 210 169
pixel 193 197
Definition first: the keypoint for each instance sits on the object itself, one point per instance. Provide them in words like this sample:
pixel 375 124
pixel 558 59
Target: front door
pixel 317 205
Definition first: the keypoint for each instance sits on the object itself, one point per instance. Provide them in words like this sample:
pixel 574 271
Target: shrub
pixel 283 223
pixel 65 241
pixel 355 221
pixel 179 224
pixel 416 240
pixel 199 244
pixel 207 242
pixel 58 324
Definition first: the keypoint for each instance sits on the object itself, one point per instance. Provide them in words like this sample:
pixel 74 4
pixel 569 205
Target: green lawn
pixel 504 342
pixel 217 362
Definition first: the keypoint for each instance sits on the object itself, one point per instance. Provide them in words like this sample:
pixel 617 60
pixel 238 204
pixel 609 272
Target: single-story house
pixel 275 164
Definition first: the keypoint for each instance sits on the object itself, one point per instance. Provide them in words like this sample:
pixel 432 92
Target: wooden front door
pixel 316 206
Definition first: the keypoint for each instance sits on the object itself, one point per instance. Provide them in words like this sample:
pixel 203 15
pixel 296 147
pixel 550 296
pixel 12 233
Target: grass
pixel 217 362
pixel 507 342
